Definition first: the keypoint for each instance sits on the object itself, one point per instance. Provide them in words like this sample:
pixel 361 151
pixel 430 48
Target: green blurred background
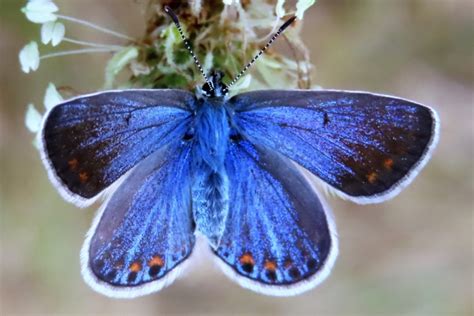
pixel 412 255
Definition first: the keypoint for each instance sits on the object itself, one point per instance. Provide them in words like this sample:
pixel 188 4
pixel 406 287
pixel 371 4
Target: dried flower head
pixel 225 35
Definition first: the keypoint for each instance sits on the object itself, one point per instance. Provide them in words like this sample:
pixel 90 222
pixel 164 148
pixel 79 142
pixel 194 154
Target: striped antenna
pixel 270 42
pixel 187 44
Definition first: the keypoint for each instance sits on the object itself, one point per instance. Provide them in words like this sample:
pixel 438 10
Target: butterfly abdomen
pixel 210 184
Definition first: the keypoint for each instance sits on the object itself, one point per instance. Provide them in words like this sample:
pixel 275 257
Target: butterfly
pixel 174 164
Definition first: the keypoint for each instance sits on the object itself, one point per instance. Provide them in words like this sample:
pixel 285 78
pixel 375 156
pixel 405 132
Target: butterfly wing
pixel 91 141
pixel 366 146
pixel 145 230
pixel 279 238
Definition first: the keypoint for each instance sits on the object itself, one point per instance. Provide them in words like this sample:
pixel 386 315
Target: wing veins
pixel 266 175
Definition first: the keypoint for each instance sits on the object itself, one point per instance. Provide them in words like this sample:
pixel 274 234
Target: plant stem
pixel 73 41
pixel 79 51
pixel 94 26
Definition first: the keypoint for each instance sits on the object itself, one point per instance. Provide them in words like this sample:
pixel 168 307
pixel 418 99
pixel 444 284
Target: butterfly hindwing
pixel 279 238
pixel 366 146
pixel 145 230
pixel 91 141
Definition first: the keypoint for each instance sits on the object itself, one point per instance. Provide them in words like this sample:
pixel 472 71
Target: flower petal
pixel 29 57
pixel 52 32
pixel 33 119
pixel 279 8
pixel 302 6
pixel 40 11
pixel 52 97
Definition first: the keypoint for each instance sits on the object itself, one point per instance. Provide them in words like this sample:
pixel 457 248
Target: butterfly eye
pixel 207 90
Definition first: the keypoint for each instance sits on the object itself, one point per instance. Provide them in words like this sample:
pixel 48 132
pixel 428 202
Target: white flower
pixel 52 32
pixel 40 11
pixel 51 97
pixel 33 119
pixel 29 57
pixel 302 6
pixel 279 9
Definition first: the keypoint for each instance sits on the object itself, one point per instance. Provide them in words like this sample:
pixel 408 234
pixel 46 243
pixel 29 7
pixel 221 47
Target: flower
pixel 302 6
pixel 29 57
pixel 33 119
pixel 51 97
pixel 242 84
pixel 40 11
pixel 279 9
pixel 52 32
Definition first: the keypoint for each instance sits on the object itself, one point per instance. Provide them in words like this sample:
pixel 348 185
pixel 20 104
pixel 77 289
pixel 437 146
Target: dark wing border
pixel 133 291
pixel 300 286
pixel 398 186
pixel 63 190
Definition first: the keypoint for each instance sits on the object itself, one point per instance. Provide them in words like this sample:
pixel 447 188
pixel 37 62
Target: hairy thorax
pixel 210 184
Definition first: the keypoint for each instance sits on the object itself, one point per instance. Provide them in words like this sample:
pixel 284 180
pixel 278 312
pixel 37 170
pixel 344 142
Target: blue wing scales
pixel 91 141
pixel 365 146
pixel 145 231
pixel 279 238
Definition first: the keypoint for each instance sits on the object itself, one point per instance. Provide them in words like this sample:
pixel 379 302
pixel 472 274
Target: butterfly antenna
pixel 270 42
pixel 187 44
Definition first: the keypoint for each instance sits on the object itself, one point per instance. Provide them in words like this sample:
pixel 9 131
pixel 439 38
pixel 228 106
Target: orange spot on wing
pixel 83 177
pixel 270 265
pixel 156 261
pixel 388 164
pixel 247 259
pixel 73 164
pixel 372 177
pixel 135 267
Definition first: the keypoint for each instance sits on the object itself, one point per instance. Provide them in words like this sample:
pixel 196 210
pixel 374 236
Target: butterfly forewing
pixel 279 238
pixel 365 146
pixel 145 230
pixel 91 141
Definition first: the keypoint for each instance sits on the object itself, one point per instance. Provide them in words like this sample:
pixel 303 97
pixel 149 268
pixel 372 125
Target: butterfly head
pixel 215 87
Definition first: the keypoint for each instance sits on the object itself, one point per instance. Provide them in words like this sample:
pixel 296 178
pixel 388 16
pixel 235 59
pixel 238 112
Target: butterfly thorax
pixel 210 184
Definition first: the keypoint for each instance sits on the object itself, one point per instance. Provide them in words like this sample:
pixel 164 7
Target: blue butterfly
pixel 233 169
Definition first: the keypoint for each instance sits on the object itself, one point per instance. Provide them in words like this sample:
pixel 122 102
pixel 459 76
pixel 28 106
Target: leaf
pixel 273 73
pixel 242 84
pixel 117 63
pixel 269 62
